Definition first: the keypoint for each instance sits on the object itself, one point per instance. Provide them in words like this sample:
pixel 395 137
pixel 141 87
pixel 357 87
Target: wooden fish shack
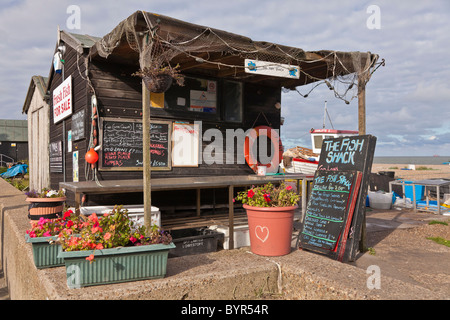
pixel 101 101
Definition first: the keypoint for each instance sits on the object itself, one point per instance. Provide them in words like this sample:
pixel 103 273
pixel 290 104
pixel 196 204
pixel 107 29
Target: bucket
pixel 390 174
pixel 262 170
pixel 270 229
pixel 380 200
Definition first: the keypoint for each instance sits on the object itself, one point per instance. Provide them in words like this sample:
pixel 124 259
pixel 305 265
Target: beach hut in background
pixel 13 141
pixel 38 112
pixel 230 82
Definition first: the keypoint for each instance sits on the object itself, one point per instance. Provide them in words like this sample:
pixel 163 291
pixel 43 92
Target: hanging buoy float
pixel 252 159
pixel 91 156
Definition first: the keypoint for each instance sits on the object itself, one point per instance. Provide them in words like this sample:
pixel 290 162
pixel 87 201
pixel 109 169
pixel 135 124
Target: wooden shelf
pixel 204 220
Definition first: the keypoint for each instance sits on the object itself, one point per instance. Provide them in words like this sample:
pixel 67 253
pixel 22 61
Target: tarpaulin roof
pixel 145 37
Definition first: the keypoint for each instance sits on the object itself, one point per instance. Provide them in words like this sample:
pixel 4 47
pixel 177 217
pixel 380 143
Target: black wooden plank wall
pixel 79 96
pixel 119 95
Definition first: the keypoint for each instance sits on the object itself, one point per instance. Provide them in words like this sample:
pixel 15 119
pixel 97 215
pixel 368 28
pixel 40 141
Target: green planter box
pixel 115 265
pixel 45 255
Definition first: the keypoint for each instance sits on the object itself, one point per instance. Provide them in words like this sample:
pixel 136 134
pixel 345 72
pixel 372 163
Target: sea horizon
pixel 435 160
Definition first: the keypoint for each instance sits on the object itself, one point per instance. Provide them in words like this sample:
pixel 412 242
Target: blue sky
pixel 407 101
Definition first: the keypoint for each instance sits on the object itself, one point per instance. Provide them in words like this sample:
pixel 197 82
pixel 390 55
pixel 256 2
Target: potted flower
pixel 43 235
pixel 111 249
pixel 47 203
pixel 270 213
pixel 158 79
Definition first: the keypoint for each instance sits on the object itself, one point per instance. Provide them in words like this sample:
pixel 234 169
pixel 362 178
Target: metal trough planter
pixel 45 255
pixel 115 265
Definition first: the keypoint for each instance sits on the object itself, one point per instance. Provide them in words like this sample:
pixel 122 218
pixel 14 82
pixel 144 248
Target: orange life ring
pixel 251 158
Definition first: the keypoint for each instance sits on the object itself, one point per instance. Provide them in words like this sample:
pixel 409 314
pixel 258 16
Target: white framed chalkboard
pixel 185 150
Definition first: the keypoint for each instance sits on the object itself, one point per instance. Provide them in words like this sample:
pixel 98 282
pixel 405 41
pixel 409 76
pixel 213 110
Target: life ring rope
pixel 252 159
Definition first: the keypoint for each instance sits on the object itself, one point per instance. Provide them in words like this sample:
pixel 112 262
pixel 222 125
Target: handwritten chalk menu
pixel 185 151
pixel 354 153
pixel 121 141
pixel 78 121
pixel 327 209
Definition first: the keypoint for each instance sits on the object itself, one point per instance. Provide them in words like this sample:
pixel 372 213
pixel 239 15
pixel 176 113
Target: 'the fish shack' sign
pixel 62 100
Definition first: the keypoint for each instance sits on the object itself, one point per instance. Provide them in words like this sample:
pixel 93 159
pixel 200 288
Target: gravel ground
pixel 402 252
pixel 407 255
pixel 427 172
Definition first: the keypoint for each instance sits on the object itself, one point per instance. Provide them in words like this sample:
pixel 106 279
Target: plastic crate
pixel 241 236
pixel 194 241
pixel 135 213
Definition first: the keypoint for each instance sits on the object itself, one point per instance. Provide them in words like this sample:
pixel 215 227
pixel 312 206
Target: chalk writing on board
pixel 78 125
pixel 343 151
pixel 340 155
pixel 326 210
pixel 122 144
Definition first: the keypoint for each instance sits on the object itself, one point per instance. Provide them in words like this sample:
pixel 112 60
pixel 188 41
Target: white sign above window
pixel 272 69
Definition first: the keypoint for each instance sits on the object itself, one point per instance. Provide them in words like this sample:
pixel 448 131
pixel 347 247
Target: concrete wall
pixel 227 274
pixel 17 259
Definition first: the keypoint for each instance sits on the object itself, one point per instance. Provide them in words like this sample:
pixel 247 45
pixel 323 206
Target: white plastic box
pixel 447 198
pixel 380 200
pixel 241 235
pixel 135 213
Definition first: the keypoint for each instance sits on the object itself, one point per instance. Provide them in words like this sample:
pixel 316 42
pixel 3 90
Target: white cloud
pixel 407 100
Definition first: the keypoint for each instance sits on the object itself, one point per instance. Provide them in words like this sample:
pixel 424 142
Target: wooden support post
pixel 304 197
pixel 230 217
pixel 146 157
pixel 361 107
pixel 362 131
pixel 198 202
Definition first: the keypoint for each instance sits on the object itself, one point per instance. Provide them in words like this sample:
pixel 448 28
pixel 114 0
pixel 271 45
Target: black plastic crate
pixel 194 241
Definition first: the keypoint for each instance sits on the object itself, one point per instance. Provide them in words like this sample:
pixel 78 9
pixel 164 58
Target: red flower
pixel 250 193
pixel 289 188
pixel 67 214
pixel 266 197
pixel 69 224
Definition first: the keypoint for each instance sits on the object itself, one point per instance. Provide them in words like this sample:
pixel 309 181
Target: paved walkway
pixel 399 258
pixel 3 288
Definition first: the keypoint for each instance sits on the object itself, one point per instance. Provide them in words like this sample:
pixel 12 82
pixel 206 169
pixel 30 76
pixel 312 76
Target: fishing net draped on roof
pixel 151 40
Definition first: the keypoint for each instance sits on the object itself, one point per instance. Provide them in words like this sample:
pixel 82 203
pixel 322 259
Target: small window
pixel 318 142
pixel 197 95
pixel 232 101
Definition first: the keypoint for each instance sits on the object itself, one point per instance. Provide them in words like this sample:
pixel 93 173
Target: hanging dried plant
pixel 159 79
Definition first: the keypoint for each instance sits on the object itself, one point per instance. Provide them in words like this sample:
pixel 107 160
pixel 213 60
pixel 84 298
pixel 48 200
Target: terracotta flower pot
pixel 48 208
pixel 270 229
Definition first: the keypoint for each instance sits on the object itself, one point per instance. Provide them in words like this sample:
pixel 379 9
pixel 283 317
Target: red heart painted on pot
pixel 262 233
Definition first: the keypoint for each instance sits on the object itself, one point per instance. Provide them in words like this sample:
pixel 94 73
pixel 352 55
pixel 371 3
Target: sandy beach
pixel 426 171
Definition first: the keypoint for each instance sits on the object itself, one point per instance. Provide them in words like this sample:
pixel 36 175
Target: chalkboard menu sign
pixel 121 141
pixel 330 205
pixel 78 121
pixel 331 215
